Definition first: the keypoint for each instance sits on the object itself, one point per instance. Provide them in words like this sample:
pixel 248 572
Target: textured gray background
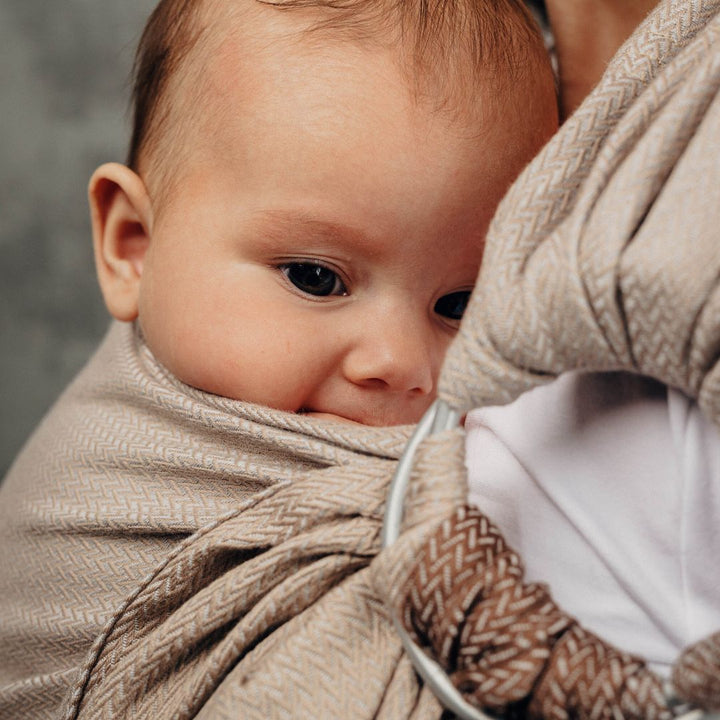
pixel 64 83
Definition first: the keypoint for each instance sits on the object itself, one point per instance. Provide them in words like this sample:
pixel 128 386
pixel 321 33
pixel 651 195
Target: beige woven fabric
pixel 214 554
pixel 171 554
pixel 605 254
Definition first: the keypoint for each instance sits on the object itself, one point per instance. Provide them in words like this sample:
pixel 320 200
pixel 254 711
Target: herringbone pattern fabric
pixel 171 554
pixel 604 254
pixel 696 676
pixel 213 554
pixel 506 645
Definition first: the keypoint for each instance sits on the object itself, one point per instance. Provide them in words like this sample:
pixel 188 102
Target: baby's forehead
pixel 235 35
pixel 460 44
pixel 224 42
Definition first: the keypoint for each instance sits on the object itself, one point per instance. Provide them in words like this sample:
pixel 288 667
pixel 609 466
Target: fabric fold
pixel 603 255
pixel 172 554
pixel 210 552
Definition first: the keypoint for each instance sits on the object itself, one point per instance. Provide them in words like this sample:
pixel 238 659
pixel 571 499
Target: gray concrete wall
pixel 64 80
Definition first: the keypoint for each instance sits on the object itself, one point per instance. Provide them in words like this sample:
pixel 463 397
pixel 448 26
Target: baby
pixel 299 226
pixel 303 215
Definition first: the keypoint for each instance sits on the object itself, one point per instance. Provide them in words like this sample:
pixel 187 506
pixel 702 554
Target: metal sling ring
pixel 439 417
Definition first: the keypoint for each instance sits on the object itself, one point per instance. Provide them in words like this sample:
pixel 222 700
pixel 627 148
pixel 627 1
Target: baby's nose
pixel 394 354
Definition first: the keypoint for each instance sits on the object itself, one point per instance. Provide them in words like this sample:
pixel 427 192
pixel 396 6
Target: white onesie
pixel 609 487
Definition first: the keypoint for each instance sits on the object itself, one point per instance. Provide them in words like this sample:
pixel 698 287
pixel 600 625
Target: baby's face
pixel 316 254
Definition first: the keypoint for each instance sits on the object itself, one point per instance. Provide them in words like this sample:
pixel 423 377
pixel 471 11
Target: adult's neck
pixel 587 34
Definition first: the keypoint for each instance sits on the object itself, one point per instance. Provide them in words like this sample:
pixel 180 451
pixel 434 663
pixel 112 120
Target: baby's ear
pixel 121 223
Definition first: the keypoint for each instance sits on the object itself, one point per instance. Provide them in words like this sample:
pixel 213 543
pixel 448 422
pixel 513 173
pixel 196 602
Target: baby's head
pixel 309 187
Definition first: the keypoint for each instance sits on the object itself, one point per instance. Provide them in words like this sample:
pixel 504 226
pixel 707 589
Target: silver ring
pixel 440 416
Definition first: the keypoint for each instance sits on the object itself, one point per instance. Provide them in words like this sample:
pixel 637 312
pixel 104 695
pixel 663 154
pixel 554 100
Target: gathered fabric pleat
pixel 172 554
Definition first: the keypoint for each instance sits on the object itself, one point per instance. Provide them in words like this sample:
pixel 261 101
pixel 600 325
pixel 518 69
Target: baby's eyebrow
pixel 283 225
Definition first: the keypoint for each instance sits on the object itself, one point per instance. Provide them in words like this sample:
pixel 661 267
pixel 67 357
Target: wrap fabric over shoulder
pixel 605 254
pixel 172 554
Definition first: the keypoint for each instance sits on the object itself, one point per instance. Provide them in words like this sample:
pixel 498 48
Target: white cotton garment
pixel 608 485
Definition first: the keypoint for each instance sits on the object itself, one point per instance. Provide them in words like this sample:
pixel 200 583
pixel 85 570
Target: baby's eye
pixel 314 279
pixel 452 306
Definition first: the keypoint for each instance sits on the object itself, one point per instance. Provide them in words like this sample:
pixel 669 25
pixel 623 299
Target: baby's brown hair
pixel 458 39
